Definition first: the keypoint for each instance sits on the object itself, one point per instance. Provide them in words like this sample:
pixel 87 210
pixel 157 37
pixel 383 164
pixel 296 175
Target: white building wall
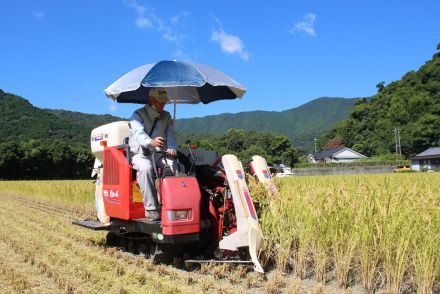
pixel 415 165
pixel 311 159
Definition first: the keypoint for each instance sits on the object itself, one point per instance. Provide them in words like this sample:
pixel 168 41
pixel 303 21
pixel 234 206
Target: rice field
pixel 332 234
pixel 382 231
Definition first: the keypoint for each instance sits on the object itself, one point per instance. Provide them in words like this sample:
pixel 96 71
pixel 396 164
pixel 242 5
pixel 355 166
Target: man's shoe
pixel 153 215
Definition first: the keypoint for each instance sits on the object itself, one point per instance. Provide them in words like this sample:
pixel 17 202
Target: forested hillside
pixel 300 124
pixel 20 120
pixel 40 143
pixel 411 104
pixel 87 121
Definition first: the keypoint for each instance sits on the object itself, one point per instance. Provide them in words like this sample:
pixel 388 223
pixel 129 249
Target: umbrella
pixel 186 81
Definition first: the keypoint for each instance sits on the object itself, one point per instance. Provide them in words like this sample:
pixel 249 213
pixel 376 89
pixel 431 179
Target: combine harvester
pixel 206 209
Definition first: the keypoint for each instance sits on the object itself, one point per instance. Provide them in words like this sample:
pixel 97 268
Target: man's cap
pixel 160 94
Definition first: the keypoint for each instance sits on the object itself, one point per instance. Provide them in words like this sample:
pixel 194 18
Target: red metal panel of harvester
pixel 118 187
pixel 180 194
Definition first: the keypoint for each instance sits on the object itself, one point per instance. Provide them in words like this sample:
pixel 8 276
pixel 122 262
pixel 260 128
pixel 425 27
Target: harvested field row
pixel 19 275
pixel 89 266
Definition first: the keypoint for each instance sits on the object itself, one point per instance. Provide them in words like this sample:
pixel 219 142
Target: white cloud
pixel 307 26
pixel 143 22
pixel 139 8
pixel 230 44
pixel 146 19
pixel 178 54
pixel 38 14
pixel 178 18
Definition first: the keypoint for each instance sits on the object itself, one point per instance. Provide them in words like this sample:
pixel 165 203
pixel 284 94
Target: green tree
pixel 244 144
pixel 36 159
pixel 380 86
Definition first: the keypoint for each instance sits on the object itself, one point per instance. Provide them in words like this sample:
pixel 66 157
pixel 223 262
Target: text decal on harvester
pixel 112 196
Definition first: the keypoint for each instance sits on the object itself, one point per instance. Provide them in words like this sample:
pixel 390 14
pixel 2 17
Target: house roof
pixel 433 152
pixel 332 153
pixel 326 153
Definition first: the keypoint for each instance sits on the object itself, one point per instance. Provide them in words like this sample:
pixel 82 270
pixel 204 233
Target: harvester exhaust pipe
pixel 248 232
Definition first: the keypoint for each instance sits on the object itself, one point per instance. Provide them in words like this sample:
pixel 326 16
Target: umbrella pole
pixel 174 115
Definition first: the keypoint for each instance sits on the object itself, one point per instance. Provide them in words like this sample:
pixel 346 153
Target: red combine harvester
pixel 206 210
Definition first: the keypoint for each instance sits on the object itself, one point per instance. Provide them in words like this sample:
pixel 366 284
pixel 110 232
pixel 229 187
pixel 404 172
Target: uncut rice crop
pixel 383 230
pixel 79 193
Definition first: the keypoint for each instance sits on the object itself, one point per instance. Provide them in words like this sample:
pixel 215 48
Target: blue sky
pixel 63 54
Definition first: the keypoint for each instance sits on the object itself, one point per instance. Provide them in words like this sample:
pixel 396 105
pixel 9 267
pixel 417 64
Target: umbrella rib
pixel 195 66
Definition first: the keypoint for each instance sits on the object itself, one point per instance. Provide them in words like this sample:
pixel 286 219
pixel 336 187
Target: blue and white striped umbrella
pixel 184 81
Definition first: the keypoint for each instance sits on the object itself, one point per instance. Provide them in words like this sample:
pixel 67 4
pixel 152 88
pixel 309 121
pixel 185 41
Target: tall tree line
pixel 36 160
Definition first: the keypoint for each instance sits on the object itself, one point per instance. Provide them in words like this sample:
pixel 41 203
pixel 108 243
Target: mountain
pixel 21 120
pixel 411 104
pixel 86 121
pixel 300 124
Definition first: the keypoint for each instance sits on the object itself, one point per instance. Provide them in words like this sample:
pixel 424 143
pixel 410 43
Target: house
pixel 428 160
pixel 340 154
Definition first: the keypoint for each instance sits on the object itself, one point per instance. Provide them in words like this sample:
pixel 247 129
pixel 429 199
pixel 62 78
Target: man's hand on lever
pixel 171 152
pixel 158 142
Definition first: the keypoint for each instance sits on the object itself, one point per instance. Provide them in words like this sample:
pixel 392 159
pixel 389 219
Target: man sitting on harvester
pixel 152 131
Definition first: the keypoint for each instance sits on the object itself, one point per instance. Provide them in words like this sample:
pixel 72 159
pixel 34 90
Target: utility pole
pixel 315 144
pixel 397 140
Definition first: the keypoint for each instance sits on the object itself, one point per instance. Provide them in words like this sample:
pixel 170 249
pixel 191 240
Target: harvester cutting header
pixel 163 201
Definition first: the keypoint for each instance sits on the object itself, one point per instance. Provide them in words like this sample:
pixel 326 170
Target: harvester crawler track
pixel 141 244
